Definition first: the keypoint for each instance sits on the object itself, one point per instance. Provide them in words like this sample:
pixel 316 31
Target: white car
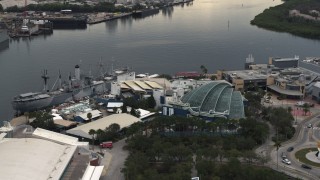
pixel 300 103
pixel 286 161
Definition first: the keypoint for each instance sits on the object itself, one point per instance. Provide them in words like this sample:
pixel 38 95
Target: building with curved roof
pixel 215 99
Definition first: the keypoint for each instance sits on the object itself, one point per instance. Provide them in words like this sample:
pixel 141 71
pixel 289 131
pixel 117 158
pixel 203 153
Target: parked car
pixel 283 155
pixel 290 149
pixel 286 161
pixel 305 166
pixel 107 144
pixel 309 126
pixel 280 98
pixel 302 103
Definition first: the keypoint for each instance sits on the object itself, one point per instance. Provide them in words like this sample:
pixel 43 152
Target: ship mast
pixel 101 68
pixel 70 85
pixel 45 78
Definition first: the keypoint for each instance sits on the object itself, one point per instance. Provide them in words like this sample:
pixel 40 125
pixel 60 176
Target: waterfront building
pixel 316 92
pixel 281 76
pixel 210 101
pixel 244 80
pixel 43 155
pixel 137 88
pixel 284 62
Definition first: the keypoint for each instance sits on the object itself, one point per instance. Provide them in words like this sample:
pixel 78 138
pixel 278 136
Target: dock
pixel 103 17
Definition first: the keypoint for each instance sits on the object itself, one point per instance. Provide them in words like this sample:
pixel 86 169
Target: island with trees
pixel 298 17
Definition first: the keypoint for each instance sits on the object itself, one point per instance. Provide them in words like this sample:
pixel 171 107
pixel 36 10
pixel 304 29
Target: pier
pixel 102 17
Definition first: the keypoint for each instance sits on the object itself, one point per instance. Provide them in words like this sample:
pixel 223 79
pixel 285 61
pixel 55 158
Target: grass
pixel 301 156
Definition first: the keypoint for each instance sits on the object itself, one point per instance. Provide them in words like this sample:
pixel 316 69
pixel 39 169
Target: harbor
pixel 103 17
pixel 33 23
pixel 162 43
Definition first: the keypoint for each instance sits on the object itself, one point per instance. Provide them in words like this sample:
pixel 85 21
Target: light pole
pixel 296 115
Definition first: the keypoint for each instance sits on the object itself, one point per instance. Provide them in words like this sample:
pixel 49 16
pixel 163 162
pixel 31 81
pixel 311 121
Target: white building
pixel 124 120
pixel 34 159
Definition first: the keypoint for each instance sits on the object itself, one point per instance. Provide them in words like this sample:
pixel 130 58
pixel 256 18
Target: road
pixel 119 156
pixel 307 137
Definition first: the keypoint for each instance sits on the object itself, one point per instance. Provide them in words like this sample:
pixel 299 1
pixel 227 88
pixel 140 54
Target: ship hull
pixel 26 106
pixel 57 99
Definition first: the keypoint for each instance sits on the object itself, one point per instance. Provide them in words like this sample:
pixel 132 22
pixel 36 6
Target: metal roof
pixel 133 86
pixel 32 158
pixel 285 91
pixel 154 85
pixel 216 98
pixel 143 85
pixel 123 120
pixel 92 173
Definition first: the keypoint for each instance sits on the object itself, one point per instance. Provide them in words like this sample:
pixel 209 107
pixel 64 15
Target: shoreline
pixel 278 19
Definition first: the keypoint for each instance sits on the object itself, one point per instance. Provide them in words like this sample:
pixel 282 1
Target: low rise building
pixel 284 62
pixel 38 159
pixel 82 131
pixel 281 76
pixel 316 92
pixel 210 101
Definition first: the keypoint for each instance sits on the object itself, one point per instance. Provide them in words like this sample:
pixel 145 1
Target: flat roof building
pixel 124 120
pixel 33 159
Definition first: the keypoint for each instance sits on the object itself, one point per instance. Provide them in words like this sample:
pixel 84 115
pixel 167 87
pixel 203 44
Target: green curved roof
pixel 216 98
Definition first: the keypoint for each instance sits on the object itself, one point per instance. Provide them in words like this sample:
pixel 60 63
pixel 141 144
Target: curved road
pixel 307 137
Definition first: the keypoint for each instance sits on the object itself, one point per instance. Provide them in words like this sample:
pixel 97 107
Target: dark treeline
pixel 156 156
pixel 277 18
pixel 57 7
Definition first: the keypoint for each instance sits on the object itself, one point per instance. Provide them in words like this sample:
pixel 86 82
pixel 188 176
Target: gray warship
pixel 74 89
pixel 4 38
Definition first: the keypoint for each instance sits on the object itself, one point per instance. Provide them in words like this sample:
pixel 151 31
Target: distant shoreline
pixel 277 19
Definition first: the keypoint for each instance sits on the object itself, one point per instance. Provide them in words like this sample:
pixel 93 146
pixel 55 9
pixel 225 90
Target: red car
pixel 107 144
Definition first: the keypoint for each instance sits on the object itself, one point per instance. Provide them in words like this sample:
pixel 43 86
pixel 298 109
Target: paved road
pixel 305 139
pixel 117 162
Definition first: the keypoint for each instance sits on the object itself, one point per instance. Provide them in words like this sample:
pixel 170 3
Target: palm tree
pixel 92 132
pixel 277 144
pixel 26 114
pixel 99 133
pixel 306 108
pixel 89 116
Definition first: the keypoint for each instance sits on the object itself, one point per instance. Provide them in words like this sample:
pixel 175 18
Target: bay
pixel 213 33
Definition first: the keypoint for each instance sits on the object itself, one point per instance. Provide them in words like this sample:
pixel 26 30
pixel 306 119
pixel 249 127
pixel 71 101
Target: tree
pixel 114 109
pixel 151 102
pixel 277 144
pixel 134 112
pixel 306 108
pixel 43 120
pixel 1 8
pixel 92 132
pixel 99 133
pixel 124 108
pixel 213 77
pixel 204 69
pixel 114 127
pixel 89 116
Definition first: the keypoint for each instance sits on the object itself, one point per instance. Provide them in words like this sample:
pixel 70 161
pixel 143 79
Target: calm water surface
pixel 214 33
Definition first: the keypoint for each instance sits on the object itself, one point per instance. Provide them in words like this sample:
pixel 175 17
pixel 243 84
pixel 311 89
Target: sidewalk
pixel 105 161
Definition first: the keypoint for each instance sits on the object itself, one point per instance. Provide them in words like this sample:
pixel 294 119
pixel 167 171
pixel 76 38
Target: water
pixel 213 33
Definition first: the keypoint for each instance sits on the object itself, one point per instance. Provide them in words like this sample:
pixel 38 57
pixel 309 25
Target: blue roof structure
pixel 215 99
